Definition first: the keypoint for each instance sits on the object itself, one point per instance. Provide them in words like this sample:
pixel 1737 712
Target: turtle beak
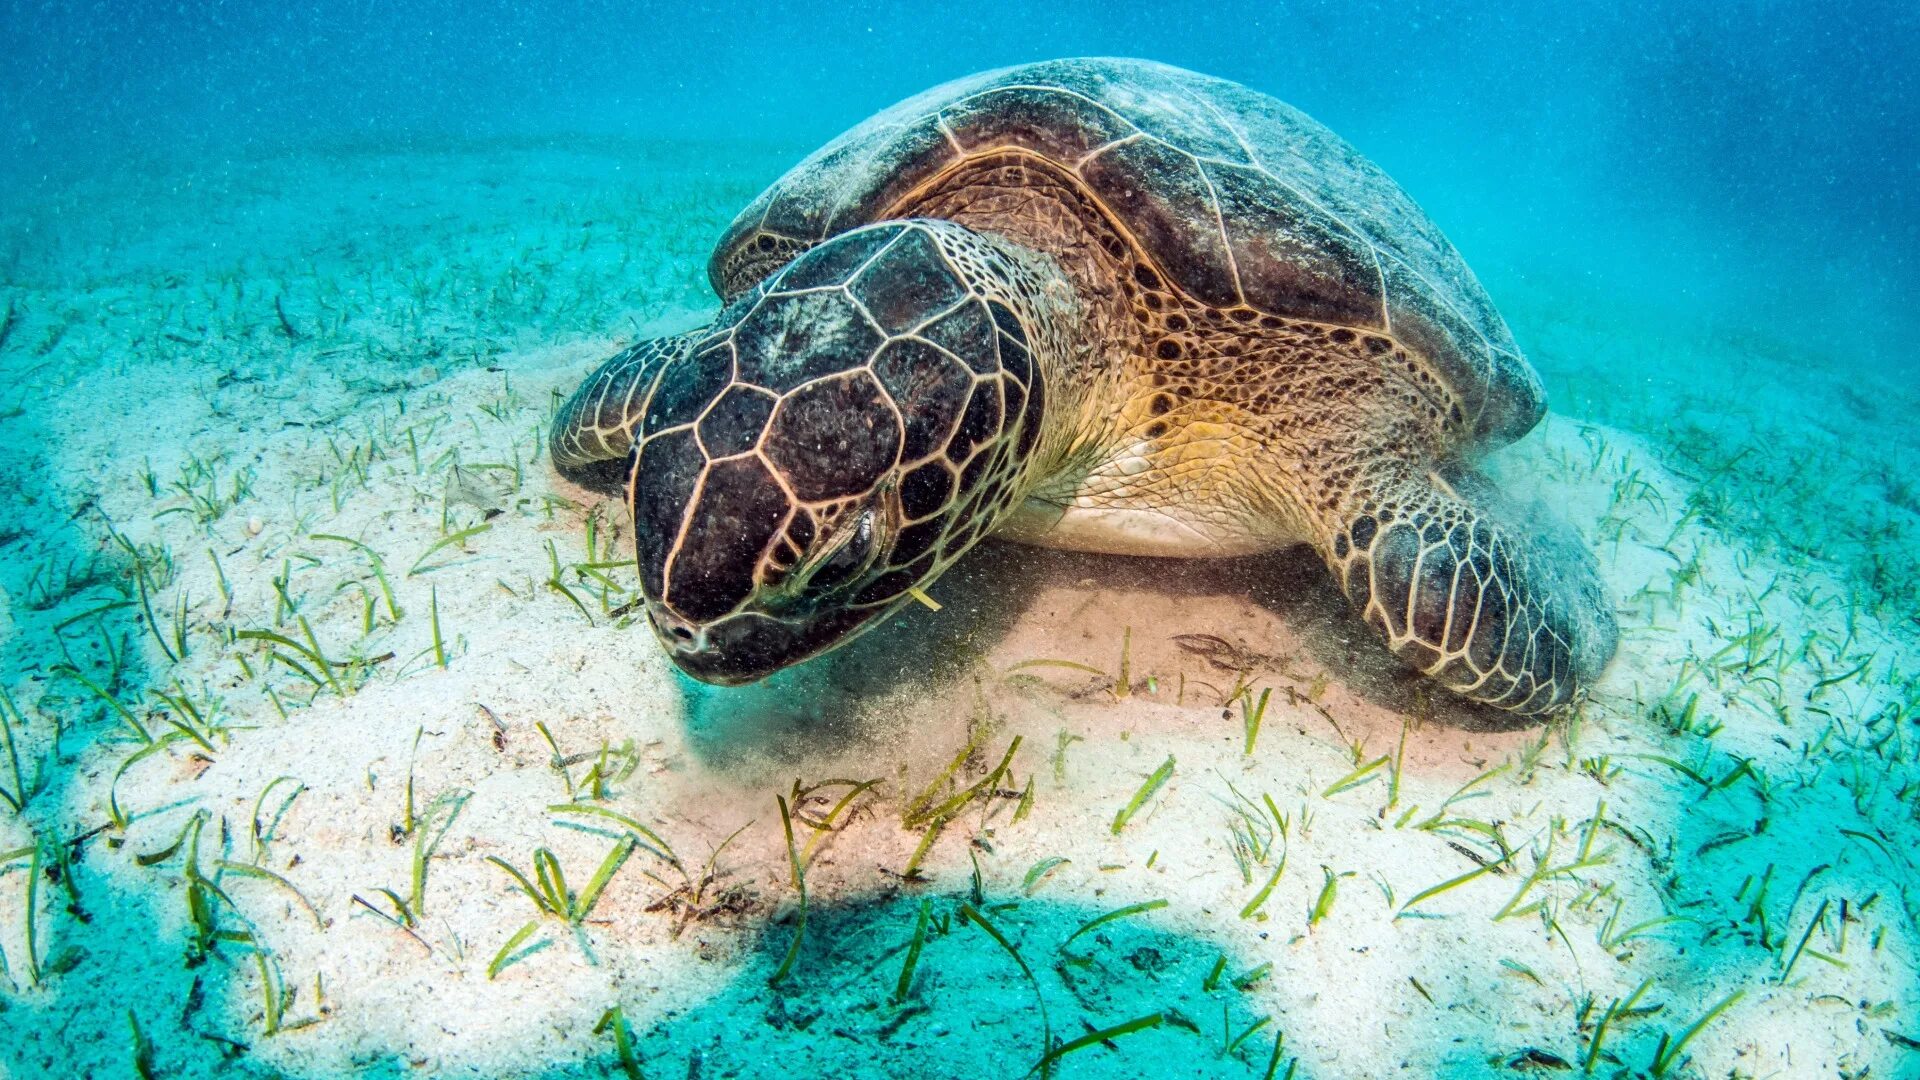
pixel 749 646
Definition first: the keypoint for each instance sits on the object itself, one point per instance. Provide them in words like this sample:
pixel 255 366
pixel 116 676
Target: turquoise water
pixel 288 296
pixel 1725 154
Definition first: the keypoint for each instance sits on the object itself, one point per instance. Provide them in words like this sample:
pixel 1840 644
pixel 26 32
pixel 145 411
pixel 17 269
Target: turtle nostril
pixel 669 623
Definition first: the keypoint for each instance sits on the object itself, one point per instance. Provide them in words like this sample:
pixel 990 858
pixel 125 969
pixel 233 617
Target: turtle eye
pixel 853 555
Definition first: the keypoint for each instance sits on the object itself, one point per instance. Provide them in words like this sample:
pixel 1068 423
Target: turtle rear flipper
pixel 1500 611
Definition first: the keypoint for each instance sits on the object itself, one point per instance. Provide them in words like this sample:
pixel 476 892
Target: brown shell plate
pixel 1237 197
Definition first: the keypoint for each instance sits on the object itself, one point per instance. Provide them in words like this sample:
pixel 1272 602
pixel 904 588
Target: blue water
pixel 1751 157
pixel 1700 219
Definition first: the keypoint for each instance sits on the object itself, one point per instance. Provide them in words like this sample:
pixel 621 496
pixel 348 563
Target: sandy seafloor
pixel 209 374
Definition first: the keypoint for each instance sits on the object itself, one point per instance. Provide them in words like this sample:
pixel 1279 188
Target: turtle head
pixel 832 442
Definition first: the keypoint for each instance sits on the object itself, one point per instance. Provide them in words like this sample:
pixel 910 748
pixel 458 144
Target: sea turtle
pixel 1099 304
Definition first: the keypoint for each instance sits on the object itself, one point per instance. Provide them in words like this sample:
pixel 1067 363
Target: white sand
pixel 415 318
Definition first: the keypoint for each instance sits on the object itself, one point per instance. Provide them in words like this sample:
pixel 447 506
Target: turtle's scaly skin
pixel 839 435
pixel 1242 336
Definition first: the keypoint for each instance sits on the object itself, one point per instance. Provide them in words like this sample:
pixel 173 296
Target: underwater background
pixel 304 643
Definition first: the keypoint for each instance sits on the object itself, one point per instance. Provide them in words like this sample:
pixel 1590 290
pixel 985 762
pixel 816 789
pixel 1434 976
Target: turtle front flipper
pixel 1500 611
pixel 593 432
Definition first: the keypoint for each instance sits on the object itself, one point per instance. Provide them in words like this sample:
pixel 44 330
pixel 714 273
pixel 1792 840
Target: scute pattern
pixel 765 437
pixel 1063 127
pixel 792 338
pixel 929 385
pixel 1291 259
pixel 825 267
pixel 1171 154
pixel 898 287
pixel 744 510
pixel 1461 599
pixel 735 421
pixel 1157 312
pixel 595 428
pixel 1164 197
pixel 955 331
pixel 670 473
pixel 689 385
pixel 835 437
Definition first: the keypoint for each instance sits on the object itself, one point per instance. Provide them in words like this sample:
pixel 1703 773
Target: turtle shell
pixel 1238 198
